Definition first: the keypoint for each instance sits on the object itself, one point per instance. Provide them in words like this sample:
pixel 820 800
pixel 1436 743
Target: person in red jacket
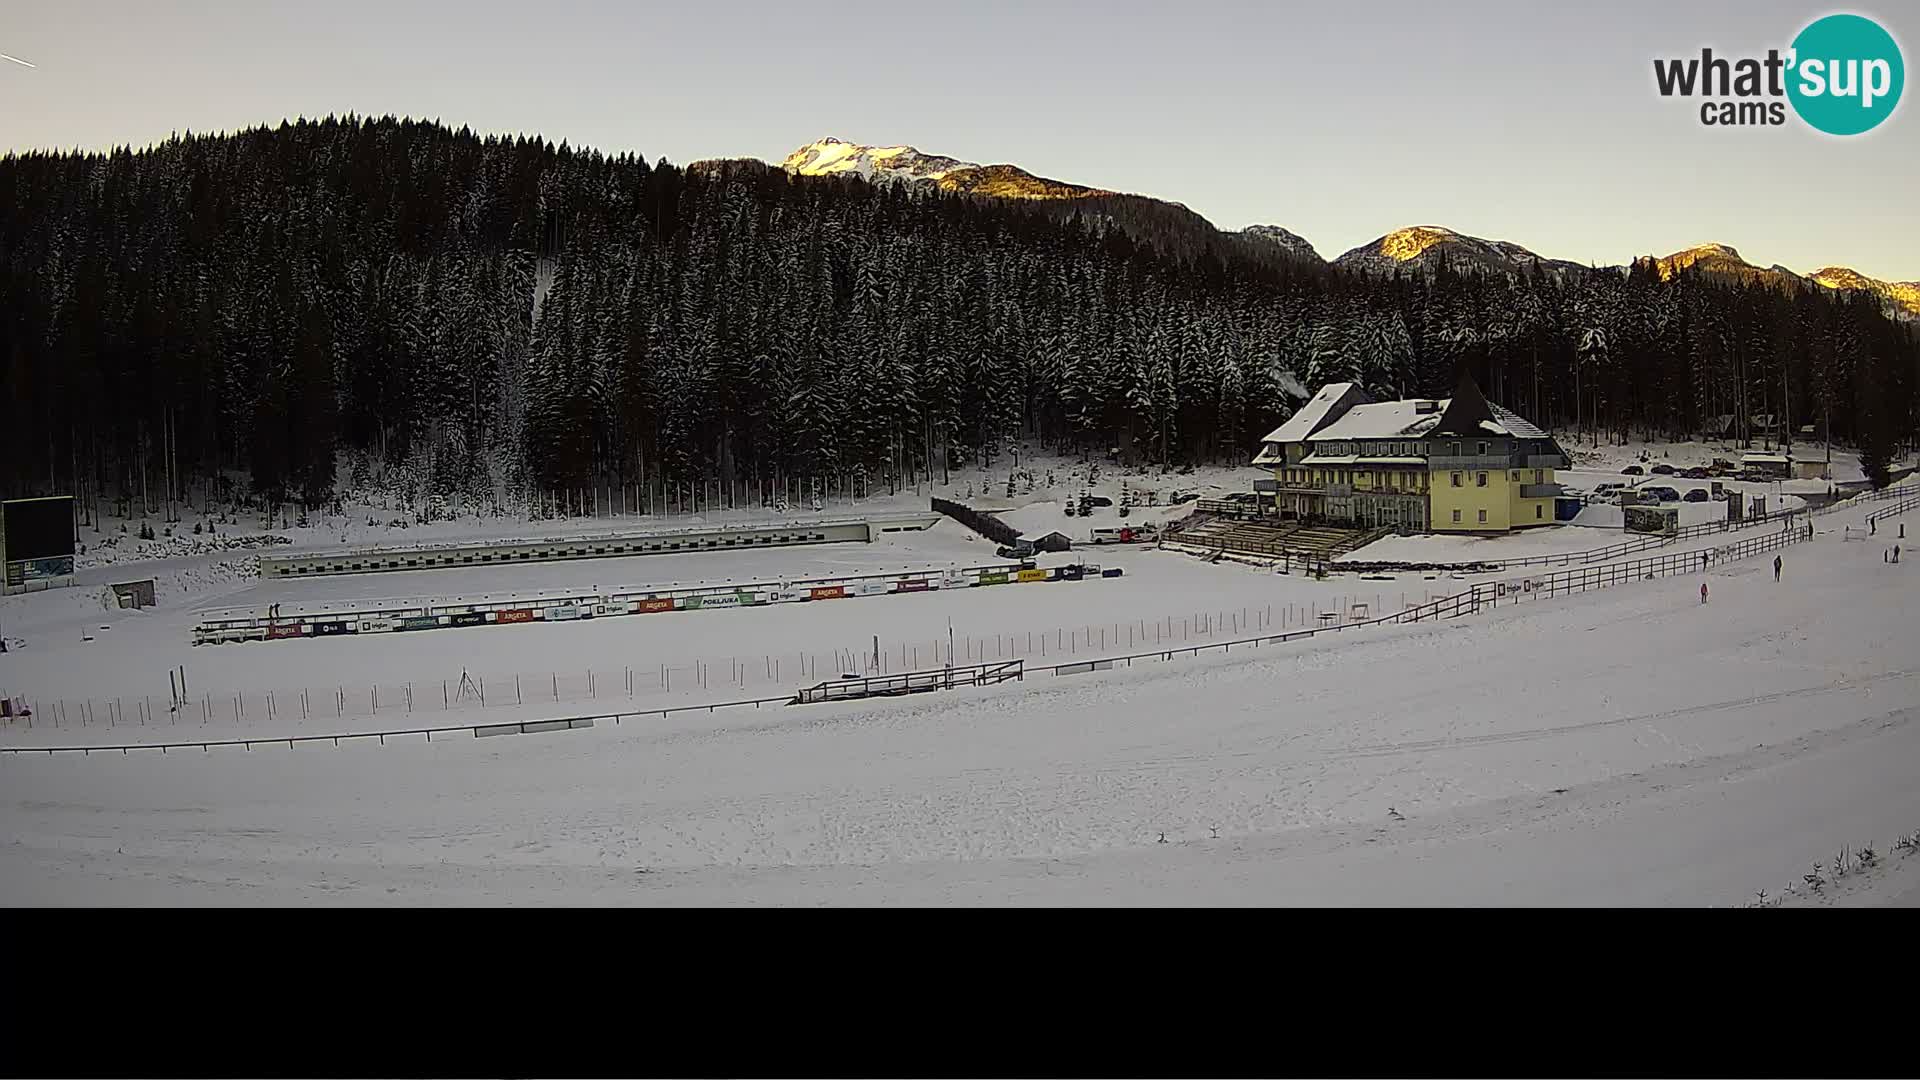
pixel 1703 592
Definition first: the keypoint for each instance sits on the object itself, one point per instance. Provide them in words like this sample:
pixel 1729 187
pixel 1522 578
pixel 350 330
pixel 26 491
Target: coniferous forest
pixel 499 319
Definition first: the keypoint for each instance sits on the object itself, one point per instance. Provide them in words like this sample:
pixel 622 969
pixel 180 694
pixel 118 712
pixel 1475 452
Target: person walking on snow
pixel 1776 568
pixel 1703 592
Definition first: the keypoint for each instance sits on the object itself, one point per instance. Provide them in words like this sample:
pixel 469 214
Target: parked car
pixel 1694 474
pixel 1608 488
pixel 1663 469
pixel 1696 495
pixel 1633 470
pixel 1663 494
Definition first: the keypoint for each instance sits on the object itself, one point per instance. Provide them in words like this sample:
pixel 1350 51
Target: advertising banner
pixel 418 622
pixel 514 615
pixel 906 585
pixel 467 618
pixel 327 629
pixel 283 630
pixel 562 612
pixel 828 592
pixel 1032 575
pixel 375 626
pixel 993 579
pixel 653 603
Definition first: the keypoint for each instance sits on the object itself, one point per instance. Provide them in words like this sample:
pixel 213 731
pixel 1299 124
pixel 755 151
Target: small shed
pixel 1774 465
pixel 1811 470
pixel 133 594
pixel 1053 541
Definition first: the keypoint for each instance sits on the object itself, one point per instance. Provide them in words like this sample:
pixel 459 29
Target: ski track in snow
pixel 1628 746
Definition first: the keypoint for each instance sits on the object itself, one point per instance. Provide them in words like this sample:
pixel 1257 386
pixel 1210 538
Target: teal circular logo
pixel 1846 74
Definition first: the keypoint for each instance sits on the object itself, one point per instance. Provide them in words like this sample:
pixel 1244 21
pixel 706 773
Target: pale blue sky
pixel 1534 122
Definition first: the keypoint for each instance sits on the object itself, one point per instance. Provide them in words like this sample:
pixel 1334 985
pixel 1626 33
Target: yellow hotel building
pixel 1458 464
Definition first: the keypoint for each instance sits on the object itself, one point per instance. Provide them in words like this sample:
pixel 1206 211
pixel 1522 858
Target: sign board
pixel 283 630
pixel 654 603
pixel 1032 575
pixel 36 542
pixel 327 629
pixel 993 579
pixel 467 618
pixel 375 626
pixel 872 588
pixel 514 615
pixel 418 622
pixel 908 585
pixel 562 612
pixel 827 592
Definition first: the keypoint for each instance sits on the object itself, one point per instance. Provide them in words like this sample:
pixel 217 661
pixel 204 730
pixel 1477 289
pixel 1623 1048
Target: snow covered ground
pixel 1628 746
pixel 1527 543
pixel 1163 599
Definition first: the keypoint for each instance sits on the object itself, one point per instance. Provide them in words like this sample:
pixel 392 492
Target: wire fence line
pixel 496 688
pixel 1482 596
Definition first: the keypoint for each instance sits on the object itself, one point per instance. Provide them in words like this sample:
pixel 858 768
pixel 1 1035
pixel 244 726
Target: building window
pixel 1456 479
pixel 1483 517
pixel 1536 476
pixel 1536 511
pixel 1456 517
pixel 1453 448
pixel 1480 480
pixel 1483 450
pixel 1516 476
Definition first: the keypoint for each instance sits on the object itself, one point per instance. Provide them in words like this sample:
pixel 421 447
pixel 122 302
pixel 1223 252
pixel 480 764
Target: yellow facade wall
pixel 1526 513
pixel 1496 499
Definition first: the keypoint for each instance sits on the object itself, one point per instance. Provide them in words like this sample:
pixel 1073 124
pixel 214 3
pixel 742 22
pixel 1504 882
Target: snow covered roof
pixel 1516 425
pixel 1766 459
pixel 1411 417
pixel 1302 423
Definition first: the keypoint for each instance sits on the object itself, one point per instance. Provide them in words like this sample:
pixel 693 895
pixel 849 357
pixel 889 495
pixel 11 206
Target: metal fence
pixel 1480 597
pixel 1900 507
pixel 425 733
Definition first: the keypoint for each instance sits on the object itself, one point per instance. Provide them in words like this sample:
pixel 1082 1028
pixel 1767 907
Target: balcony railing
pixel 1469 462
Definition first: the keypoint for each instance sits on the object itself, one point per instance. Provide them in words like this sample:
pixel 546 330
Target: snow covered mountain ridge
pixel 881 164
pixel 1413 248
pixel 1421 247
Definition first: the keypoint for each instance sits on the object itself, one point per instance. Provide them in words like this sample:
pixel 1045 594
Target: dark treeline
pixel 492 317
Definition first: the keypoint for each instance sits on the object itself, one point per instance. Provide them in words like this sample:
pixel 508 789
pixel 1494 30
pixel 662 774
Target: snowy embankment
pixel 1629 746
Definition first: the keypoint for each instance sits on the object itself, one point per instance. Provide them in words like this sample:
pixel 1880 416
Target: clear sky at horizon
pixel 1531 122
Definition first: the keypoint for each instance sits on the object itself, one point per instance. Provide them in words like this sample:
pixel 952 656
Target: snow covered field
pixel 1163 599
pixel 1626 746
